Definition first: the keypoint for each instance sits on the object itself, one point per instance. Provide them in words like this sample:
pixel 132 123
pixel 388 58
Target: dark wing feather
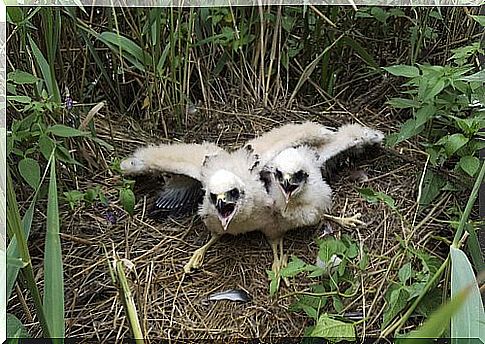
pixel 180 195
pixel 349 158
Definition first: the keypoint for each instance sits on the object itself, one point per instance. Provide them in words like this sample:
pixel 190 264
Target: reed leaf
pixel 45 69
pixel 53 272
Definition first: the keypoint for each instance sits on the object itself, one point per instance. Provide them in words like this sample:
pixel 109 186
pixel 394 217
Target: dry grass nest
pixel 171 304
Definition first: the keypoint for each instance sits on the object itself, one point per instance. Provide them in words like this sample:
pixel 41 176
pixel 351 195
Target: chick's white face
pixel 225 193
pixel 290 172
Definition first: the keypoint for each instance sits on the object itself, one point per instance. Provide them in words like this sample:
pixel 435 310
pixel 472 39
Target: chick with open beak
pixel 226 204
pixel 290 183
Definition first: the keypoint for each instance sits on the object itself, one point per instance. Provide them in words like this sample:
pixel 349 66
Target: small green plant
pixel 77 198
pixel 446 103
pixel 412 278
pixel 333 279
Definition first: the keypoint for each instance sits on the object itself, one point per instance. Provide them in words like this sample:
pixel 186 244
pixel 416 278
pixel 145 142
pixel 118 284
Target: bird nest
pixel 173 305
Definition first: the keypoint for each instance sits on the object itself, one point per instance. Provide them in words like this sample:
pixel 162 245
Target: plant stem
pixel 397 325
pixel 469 206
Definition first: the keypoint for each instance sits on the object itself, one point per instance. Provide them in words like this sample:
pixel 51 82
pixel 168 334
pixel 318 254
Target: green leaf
pixel 403 103
pixel 12 249
pixel 15 262
pixel 438 322
pixel 432 185
pixel 117 42
pixel 479 19
pixel 468 321
pixel 46 146
pixel 127 199
pixel 424 114
pixel 15 328
pixel 65 131
pixel 20 77
pixel 53 271
pixel 29 170
pixel 403 70
pixel 405 272
pixel 454 142
pixel 397 303
pixel 329 247
pixel 337 330
pixel 20 99
pixel 45 69
pixel 478 76
pixel 294 267
pixel 435 89
pixel 469 164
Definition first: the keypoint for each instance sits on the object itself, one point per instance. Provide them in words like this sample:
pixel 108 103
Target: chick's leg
pixel 198 257
pixel 280 260
pixel 346 221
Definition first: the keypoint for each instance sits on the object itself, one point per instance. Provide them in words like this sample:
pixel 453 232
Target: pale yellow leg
pixel 280 260
pixel 198 257
pixel 346 221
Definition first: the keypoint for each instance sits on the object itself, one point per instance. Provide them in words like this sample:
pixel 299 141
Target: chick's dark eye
pixel 234 193
pixel 299 176
pixel 213 198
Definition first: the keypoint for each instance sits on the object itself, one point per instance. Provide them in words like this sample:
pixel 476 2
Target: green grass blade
pixel 469 206
pixel 45 70
pixel 12 250
pixel 469 321
pixel 310 68
pixel 15 229
pixel 53 273
pixel 436 324
pixel 128 302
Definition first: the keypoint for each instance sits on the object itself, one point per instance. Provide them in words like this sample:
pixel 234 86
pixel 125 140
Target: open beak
pixel 286 189
pixel 225 210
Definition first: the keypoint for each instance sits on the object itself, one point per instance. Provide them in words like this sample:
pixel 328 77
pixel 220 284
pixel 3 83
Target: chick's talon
pixel 195 261
pixel 352 221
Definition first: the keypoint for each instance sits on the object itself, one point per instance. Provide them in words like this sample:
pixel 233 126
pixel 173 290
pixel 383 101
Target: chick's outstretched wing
pixel 181 165
pixel 273 142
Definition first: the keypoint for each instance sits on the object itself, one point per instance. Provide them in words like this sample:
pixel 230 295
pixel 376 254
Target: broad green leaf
pixel 424 114
pixel 405 272
pixel 403 70
pixel 397 303
pixel 20 77
pixel 329 247
pixel 15 328
pixel 454 142
pixel 127 198
pixel 29 170
pixel 53 270
pixel 434 89
pixel 46 146
pixel 335 330
pixel 432 185
pixel 65 131
pixel 294 267
pixel 469 164
pixel 468 321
